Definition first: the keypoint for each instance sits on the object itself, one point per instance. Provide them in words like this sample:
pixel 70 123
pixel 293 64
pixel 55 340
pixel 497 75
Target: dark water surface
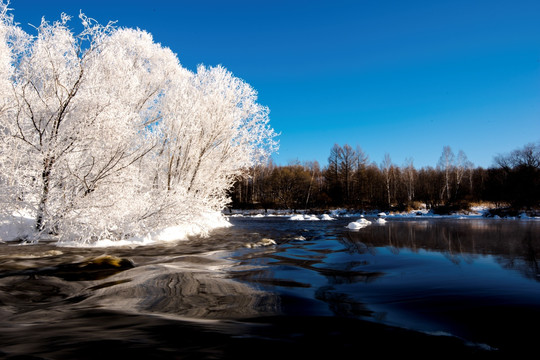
pixel 428 288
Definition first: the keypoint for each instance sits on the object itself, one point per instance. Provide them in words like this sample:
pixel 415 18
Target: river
pixel 423 287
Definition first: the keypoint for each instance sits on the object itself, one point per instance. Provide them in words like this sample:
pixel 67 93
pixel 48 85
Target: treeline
pixel 350 180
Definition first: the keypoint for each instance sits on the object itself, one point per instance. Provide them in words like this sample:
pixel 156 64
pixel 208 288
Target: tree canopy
pixel 103 134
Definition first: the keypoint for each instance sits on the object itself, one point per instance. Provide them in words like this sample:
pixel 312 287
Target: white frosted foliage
pixel 105 136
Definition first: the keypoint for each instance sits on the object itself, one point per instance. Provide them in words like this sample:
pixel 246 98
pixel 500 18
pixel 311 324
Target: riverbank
pixel 480 211
pixel 21 228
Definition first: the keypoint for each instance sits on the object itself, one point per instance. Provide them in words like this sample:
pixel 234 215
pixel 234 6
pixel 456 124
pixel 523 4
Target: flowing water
pixel 407 287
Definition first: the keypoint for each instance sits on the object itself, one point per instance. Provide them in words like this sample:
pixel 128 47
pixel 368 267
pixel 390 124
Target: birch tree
pixel 409 175
pixel 386 168
pixel 461 167
pixel 446 165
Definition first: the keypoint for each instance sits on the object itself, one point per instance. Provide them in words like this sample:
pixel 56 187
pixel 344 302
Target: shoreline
pixel 475 212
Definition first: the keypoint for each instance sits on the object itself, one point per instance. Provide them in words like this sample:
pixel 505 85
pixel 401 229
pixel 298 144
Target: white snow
pixel 297 217
pixel 311 217
pixel 17 226
pixel 21 226
pixel 301 217
pixel 355 225
pixel 193 227
pixel 474 212
pixel 358 224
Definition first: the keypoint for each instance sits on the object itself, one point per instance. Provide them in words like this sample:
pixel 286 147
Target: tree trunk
pixel 45 176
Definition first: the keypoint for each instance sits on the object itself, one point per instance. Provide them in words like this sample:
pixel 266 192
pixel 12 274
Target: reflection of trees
pixel 525 260
pixel 342 304
pixel 514 244
pixel 335 273
pixel 455 250
pixel 298 267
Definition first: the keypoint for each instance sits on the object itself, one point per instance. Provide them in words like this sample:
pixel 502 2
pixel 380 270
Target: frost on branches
pixel 104 135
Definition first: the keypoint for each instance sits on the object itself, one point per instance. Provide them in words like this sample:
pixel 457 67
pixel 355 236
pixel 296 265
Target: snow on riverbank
pixel 479 212
pixel 17 226
pixel 299 217
pixel 20 228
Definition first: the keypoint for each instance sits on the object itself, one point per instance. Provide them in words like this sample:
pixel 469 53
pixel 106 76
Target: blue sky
pixel 399 77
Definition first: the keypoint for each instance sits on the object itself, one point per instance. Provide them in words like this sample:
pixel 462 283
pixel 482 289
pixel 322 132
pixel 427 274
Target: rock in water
pixel 91 269
pixel 106 261
pixel 263 242
pixel 94 268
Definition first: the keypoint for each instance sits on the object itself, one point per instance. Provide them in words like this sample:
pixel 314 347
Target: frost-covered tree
pixel 104 134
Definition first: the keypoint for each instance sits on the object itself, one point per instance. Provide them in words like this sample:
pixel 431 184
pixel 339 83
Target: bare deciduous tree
pixel 386 168
pixel 446 164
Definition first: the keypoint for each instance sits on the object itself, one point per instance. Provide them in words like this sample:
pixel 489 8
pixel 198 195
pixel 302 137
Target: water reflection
pixel 463 278
pixel 515 245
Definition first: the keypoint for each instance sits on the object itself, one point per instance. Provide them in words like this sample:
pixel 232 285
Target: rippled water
pixel 419 287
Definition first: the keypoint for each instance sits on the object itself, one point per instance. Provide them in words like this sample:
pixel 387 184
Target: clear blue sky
pixel 399 77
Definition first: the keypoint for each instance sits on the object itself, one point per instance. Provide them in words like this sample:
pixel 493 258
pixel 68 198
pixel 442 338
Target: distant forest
pixel 351 181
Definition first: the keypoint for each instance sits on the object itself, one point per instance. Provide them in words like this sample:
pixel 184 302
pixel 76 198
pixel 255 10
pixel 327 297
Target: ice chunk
pixel 355 225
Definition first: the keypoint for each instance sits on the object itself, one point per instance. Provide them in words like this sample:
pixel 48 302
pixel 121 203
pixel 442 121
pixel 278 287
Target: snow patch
pixel 17 226
pixel 309 217
pixel 358 224
pixel 196 226
pixel 301 217
pixel 326 217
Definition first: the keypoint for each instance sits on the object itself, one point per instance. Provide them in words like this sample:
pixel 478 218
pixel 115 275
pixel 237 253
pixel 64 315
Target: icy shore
pixel 20 228
pixel 478 212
